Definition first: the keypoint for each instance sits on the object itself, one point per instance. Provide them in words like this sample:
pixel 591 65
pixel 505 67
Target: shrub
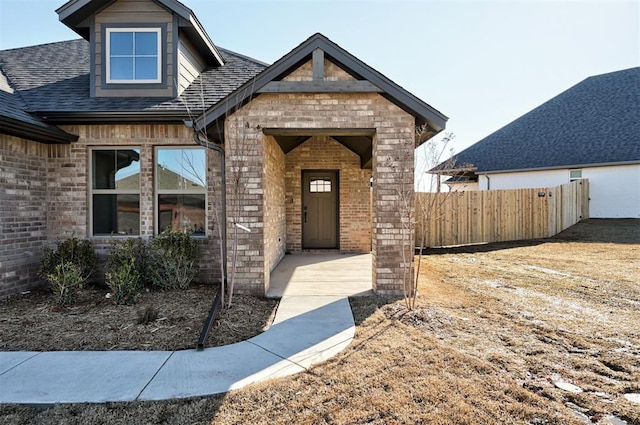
pixel 124 282
pixel 120 252
pixel 65 282
pixel 73 250
pixel 174 255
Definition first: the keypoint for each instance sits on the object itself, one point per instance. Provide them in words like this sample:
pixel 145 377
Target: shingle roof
pixel 16 121
pixel 55 77
pixel 594 122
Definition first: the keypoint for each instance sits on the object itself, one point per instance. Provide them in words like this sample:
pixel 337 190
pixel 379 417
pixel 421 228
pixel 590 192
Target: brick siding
pixel 23 213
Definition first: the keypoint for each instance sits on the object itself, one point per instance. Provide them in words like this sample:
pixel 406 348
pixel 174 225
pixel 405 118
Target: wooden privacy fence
pixel 460 218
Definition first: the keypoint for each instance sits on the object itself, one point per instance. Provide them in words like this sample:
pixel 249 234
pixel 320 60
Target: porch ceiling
pixel 358 141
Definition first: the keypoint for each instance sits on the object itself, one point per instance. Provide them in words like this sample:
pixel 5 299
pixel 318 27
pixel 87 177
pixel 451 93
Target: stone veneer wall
pixel 324 153
pixel 393 146
pixel 23 213
pixel 68 184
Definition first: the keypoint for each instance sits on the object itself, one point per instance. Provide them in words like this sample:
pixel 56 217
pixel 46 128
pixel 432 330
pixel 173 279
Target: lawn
pixel 498 329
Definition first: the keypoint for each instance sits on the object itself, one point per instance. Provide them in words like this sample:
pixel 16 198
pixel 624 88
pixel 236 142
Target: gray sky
pixel 481 63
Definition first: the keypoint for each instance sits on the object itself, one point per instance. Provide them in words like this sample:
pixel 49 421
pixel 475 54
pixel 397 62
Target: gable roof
pixel 53 83
pixel 595 122
pixel 424 113
pixel 74 14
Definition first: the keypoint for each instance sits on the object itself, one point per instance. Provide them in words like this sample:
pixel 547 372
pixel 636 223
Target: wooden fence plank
pixel 460 218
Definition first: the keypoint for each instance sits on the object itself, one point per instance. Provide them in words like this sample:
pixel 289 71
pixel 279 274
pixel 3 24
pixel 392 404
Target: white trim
pixel 157 31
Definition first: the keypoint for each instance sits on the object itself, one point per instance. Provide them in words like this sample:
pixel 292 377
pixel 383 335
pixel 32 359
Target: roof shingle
pixel 594 122
pixel 55 77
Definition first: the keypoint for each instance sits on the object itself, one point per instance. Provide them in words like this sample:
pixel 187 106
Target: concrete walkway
pixel 310 326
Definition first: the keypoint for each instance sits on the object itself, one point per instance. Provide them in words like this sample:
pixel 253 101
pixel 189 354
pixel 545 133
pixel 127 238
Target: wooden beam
pixel 319 131
pixel 318 65
pixel 353 86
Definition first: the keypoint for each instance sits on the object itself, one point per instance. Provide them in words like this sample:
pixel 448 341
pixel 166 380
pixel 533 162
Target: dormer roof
pixel 76 13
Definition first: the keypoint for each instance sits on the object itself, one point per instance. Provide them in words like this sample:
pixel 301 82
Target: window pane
pixel 116 169
pixel 575 174
pixel 320 185
pixel 121 69
pixel 116 214
pixel 146 43
pixel 121 43
pixel 146 69
pixel 181 169
pixel 182 212
pixel 128 169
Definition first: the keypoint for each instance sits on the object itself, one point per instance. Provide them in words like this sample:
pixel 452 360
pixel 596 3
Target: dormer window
pixel 134 55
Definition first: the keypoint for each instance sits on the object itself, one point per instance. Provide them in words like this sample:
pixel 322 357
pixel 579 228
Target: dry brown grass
pixel 494 327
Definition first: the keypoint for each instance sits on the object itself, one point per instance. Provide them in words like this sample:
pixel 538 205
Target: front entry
pixel 320 209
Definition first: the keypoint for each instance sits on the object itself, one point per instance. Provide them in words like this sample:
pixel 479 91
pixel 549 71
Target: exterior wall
pixel 275 217
pixel 332 72
pixel 393 164
pixel 68 185
pixel 614 191
pixel 322 152
pixel 23 213
pixel 190 64
pixel 135 12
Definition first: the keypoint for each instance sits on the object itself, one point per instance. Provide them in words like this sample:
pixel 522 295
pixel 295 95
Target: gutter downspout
pixel 217 301
pixel 488 182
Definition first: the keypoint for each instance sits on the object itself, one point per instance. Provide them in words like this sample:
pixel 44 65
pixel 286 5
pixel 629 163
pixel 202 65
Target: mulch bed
pixel 159 320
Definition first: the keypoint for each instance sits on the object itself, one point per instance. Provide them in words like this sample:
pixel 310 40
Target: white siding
pixel 524 180
pixel 614 191
pixel 190 64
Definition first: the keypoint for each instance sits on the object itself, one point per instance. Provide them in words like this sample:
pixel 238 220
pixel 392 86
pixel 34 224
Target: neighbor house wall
pixel 393 164
pixel 614 191
pixel 68 185
pixel 23 213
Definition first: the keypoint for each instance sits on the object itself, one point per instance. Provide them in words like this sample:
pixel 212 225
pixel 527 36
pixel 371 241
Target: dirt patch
pixel 169 320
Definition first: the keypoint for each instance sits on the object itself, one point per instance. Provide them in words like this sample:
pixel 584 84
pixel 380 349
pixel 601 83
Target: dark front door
pixel 319 209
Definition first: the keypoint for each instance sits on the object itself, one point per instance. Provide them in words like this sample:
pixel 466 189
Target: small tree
pixel 436 152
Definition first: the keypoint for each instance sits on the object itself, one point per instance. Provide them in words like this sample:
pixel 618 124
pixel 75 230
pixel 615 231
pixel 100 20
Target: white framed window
pixel 575 175
pixel 114 195
pixel 181 183
pixel 133 55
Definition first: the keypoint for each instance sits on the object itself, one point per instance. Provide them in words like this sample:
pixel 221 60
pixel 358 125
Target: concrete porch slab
pixel 322 274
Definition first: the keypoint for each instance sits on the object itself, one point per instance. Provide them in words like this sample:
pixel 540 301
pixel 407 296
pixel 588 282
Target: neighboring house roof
pixel 424 113
pixel 595 122
pixel 53 82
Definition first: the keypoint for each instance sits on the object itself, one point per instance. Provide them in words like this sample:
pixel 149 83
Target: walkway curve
pixel 307 329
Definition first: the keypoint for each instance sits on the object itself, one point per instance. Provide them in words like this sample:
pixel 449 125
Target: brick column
pixel 393 209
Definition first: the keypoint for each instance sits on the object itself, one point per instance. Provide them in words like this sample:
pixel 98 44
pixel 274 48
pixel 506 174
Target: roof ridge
pixel 241 56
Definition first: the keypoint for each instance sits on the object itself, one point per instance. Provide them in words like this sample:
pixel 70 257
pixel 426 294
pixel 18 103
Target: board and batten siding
pixel 190 64
pixel 614 190
pixel 135 12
